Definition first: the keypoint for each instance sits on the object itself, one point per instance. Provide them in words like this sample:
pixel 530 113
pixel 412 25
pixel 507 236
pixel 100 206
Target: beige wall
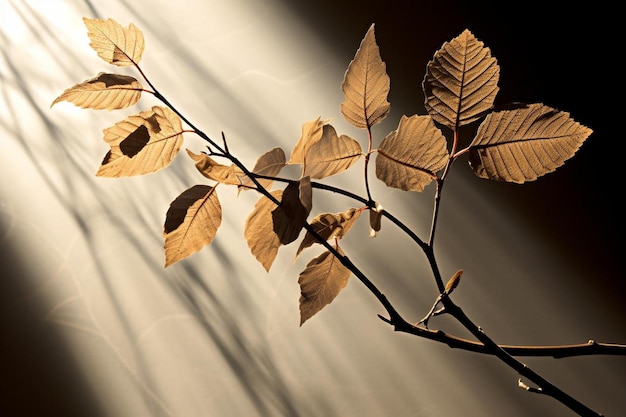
pixel 215 335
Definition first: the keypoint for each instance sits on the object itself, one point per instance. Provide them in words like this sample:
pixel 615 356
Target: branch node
pixel 525 387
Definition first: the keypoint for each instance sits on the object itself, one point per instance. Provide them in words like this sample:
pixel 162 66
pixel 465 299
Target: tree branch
pixel 487 346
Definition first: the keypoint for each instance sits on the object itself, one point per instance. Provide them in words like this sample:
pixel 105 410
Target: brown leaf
pixel 191 222
pixel 376 215
pixel 366 86
pixel 117 45
pixel 461 82
pixel 217 172
pixel 331 155
pixel 259 231
pixel 329 226
pixel 103 92
pixel 523 144
pixel 289 218
pixel 311 132
pixel 305 193
pixel 269 164
pixel 409 157
pixel 320 283
pixel 142 143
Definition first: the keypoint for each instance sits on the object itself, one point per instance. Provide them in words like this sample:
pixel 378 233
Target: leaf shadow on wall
pixel 35 351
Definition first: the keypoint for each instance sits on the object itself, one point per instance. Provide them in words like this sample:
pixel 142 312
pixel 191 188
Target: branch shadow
pixel 62 154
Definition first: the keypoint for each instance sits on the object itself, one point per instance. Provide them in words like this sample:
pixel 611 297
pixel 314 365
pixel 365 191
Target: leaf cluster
pixel 517 144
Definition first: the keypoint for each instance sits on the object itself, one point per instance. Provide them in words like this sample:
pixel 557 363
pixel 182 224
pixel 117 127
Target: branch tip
pixel 385 319
pixel 224 142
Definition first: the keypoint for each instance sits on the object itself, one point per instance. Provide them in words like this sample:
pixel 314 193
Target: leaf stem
pixel 369 203
pixel 367 161
pixel 164 100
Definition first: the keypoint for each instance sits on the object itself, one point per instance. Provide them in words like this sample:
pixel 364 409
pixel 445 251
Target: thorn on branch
pixel 211 152
pixel 385 319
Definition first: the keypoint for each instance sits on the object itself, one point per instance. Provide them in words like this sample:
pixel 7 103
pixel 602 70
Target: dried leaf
pixel 191 222
pixel 103 92
pixel 453 282
pixel 142 143
pixel 366 86
pixel 322 280
pixel 305 193
pixel 269 164
pixel 117 45
pixel 331 155
pixel 259 231
pixel 525 143
pixel 409 157
pixel 329 226
pixel 311 132
pixel 461 82
pixel 289 218
pixel 376 215
pixel 217 172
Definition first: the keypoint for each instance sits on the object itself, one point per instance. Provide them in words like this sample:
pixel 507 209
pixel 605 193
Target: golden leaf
pixel 409 157
pixel 269 164
pixel 259 232
pixel 117 45
pixel 207 166
pixel 329 226
pixel 142 143
pixel 331 155
pixel 461 82
pixel 311 133
pixel 366 86
pixel 453 282
pixel 322 280
pixel 103 92
pixel 525 143
pixel 288 219
pixel 191 222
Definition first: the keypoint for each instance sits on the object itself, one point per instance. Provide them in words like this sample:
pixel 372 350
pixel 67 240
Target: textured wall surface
pixel 93 325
